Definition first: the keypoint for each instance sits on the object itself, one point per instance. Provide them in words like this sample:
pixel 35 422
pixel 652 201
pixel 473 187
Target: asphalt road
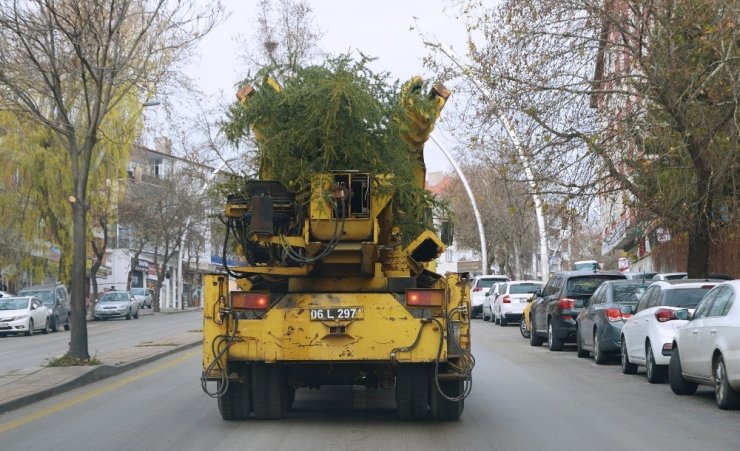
pixel 524 398
pixel 19 351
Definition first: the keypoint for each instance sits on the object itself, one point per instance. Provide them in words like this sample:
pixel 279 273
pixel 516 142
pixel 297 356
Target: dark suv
pixel 556 305
pixel 55 297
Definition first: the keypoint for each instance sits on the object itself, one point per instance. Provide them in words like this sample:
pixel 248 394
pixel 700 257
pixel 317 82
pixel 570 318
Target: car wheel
pixel 554 343
pixel 726 397
pixel 523 328
pixel 54 323
pixel 679 385
pixel 627 366
pixel 534 339
pixel 29 332
pixel 128 314
pixel 45 330
pixel 502 321
pixel 600 357
pixel 655 373
pixel 486 318
pixel 582 353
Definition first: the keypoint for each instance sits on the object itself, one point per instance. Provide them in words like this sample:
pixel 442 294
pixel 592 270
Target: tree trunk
pixel 78 340
pixel 699 241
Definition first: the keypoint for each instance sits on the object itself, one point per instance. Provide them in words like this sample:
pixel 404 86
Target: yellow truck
pixel 331 293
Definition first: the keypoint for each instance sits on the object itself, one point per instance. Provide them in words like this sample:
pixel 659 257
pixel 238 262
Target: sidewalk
pixel 19 388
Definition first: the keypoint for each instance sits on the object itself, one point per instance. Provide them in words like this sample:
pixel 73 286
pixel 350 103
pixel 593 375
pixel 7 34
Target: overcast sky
pixel 379 29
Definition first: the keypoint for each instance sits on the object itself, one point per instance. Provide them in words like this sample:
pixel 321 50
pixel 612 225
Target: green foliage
pixel 34 207
pixel 337 116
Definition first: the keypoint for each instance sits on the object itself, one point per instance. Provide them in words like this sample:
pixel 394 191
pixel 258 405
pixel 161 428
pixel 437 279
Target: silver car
pixel 116 304
pixel 143 296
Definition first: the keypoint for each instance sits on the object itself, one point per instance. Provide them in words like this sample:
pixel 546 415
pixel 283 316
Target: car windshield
pixel 138 291
pixel 522 288
pixel 46 297
pixel 114 297
pixel 585 286
pixel 684 297
pixel 628 294
pixel 14 303
pixel 488 283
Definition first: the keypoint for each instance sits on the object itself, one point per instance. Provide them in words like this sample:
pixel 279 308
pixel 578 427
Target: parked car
pixel 706 351
pixel 5 294
pixel 555 307
pixel 525 326
pixel 511 299
pixel 599 325
pixel 23 314
pixel 478 289
pixel 640 275
pixel 55 297
pixel 586 264
pixel 143 296
pixel 670 276
pixel 647 336
pixel 116 304
pixel 487 306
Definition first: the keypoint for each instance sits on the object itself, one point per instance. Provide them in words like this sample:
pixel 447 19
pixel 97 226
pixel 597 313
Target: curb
pixel 94 374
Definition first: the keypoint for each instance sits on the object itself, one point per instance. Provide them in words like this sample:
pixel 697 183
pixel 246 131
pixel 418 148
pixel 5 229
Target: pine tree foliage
pixel 335 116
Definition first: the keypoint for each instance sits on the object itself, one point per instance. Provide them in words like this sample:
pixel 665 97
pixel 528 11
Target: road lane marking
pixel 31 417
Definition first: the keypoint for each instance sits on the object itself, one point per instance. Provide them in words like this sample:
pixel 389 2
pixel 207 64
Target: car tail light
pixel 614 315
pixel 664 314
pixel 506 299
pixel 566 303
pixel 424 298
pixel 477 289
pixel 250 300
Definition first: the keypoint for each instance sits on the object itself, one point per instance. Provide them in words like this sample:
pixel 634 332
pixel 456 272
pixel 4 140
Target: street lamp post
pixel 473 203
pixel 178 301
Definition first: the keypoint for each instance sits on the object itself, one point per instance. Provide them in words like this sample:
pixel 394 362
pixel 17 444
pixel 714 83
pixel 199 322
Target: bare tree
pixel 285 36
pixel 68 63
pixel 159 214
pixel 633 102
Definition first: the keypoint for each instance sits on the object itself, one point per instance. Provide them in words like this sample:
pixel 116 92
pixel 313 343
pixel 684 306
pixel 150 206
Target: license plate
pixel 332 314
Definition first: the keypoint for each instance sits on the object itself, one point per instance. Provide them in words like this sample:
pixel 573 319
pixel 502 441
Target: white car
pixel 487 307
pixel 23 314
pixel 511 299
pixel 647 336
pixel 669 276
pixel 478 289
pixel 706 350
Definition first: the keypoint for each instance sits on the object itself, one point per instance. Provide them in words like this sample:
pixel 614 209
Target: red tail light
pixel 424 298
pixel 664 314
pixel 477 289
pixel 250 300
pixel 506 299
pixel 567 304
pixel 614 315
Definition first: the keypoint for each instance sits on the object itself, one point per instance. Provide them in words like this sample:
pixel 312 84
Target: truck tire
pixel 236 403
pixel 269 394
pixel 412 389
pixel 443 409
